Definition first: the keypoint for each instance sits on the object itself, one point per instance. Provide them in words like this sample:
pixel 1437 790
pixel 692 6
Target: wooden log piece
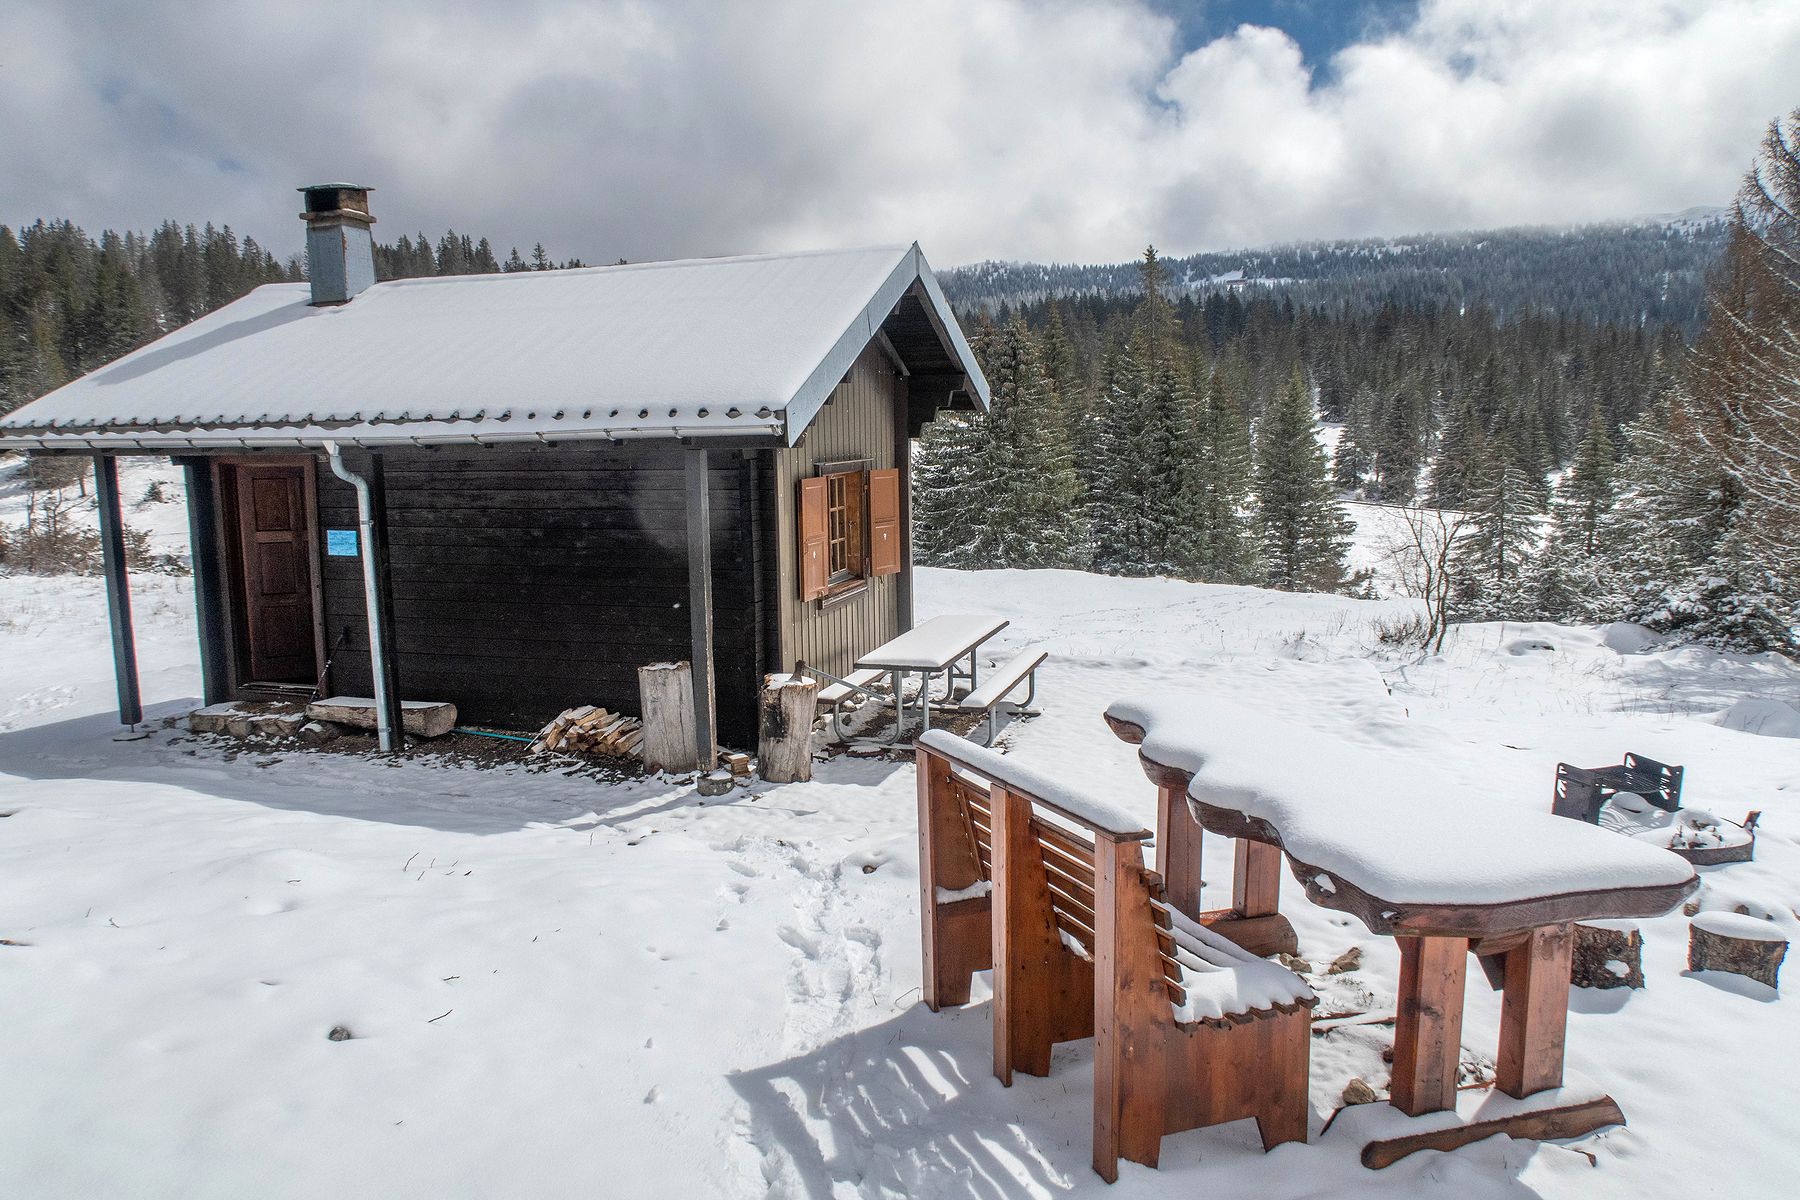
pixel 1742 945
pixel 420 718
pixel 1608 955
pixel 666 697
pixel 784 728
pixel 1570 1121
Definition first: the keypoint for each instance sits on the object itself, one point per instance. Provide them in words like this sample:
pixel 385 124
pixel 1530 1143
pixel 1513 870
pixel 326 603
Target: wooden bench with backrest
pixel 1048 888
pixel 1415 853
pixel 996 690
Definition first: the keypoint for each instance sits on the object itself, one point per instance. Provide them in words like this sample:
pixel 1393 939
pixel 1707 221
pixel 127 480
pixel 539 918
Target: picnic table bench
pixel 1411 854
pixel 931 648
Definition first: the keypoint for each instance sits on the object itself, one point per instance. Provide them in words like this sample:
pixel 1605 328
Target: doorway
pixel 269 511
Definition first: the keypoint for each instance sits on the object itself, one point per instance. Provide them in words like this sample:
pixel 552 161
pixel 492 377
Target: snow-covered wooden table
pixel 1417 855
pixel 929 649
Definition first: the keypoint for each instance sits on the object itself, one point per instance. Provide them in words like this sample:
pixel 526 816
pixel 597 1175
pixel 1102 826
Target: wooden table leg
pixel 1428 1025
pixel 1256 879
pixel 1534 1012
pixel 1178 838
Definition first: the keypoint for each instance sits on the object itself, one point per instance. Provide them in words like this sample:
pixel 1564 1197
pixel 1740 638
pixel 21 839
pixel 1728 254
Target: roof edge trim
pixel 805 403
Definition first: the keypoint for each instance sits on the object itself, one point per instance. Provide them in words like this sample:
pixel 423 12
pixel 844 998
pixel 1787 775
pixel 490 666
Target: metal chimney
pixel 340 252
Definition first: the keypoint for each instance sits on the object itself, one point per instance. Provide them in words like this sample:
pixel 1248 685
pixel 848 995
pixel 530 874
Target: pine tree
pixel 1305 535
pixel 1034 516
pixel 951 491
pixel 1059 364
pixel 1569 580
pixel 1143 502
pixel 1227 479
pixel 953 479
pixel 1400 452
pixel 1461 450
pixel 1492 563
pixel 1354 458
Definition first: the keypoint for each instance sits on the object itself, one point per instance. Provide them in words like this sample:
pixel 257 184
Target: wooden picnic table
pixel 931 648
pixel 1414 855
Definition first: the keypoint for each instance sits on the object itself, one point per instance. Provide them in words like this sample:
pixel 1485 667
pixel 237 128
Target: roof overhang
pixel 906 302
pixel 912 276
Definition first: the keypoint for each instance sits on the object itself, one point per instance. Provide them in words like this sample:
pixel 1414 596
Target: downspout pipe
pixel 365 524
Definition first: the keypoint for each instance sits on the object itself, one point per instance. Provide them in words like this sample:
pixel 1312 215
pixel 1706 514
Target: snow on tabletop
pixel 1739 925
pixel 1221 977
pixel 1012 773
pixel 1406 832
pixel 933 644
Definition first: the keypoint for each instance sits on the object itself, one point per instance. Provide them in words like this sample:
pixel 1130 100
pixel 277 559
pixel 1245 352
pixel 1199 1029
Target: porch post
pixel 700 606
pixel 118 587
pixel 209 579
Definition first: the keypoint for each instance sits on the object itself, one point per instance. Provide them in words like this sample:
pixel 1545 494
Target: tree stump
pixel 1742 945
pixel 666 697
pixel 1608 954
pixel 784 733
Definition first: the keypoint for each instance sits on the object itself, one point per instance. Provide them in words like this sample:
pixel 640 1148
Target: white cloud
pixel 1066 130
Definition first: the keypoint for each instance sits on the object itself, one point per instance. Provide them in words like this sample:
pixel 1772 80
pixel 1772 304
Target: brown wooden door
pixel 277 574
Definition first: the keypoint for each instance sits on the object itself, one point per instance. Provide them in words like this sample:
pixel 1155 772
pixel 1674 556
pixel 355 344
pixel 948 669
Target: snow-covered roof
pixel 724 347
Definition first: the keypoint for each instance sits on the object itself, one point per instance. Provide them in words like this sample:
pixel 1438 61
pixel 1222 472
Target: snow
pixel 933 643
pixel 1737 925
pixel 164 521
pixel 975 891
pixel 557 987
pixel 725 346
pixel 1221 978
pixel 369 703
pixel 1017 773
pixel 1762 715
pixel 1424 835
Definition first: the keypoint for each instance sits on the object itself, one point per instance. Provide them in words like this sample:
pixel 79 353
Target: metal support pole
pixel 209 579
pixel 700 606
pixel 386 729
pixel 118 588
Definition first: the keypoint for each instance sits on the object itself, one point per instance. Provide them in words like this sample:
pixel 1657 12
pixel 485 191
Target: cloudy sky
pixel 1061 129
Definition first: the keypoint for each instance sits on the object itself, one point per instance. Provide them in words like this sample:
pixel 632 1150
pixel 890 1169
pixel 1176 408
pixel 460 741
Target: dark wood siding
pixel 528 581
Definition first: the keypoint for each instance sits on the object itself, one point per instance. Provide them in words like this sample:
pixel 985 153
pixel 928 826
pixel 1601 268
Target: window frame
pixel 846 493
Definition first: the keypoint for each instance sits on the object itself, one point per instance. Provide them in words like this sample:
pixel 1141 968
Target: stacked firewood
pixel 590 730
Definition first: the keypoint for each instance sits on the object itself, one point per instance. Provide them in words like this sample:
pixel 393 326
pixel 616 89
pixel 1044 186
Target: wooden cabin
pixel 511 491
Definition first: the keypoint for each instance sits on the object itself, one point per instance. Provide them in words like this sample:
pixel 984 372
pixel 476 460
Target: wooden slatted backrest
pixel 957 824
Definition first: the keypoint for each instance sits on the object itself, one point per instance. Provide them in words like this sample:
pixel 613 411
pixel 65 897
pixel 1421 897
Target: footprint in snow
pixel 798 941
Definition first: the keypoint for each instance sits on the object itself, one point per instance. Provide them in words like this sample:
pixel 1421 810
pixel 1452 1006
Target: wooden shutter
pixel 813 524
pixel 884 523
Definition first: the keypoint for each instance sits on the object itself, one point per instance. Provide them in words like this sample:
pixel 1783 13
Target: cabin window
pixel 849 529
pixel 844 528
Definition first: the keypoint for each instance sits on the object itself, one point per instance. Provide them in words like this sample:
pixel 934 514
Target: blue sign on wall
pixel 340 543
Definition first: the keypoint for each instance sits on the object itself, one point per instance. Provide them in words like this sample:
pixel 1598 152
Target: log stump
pixel 1742 945
pixel 1608 954
pixel 666 696
pixel 784 728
